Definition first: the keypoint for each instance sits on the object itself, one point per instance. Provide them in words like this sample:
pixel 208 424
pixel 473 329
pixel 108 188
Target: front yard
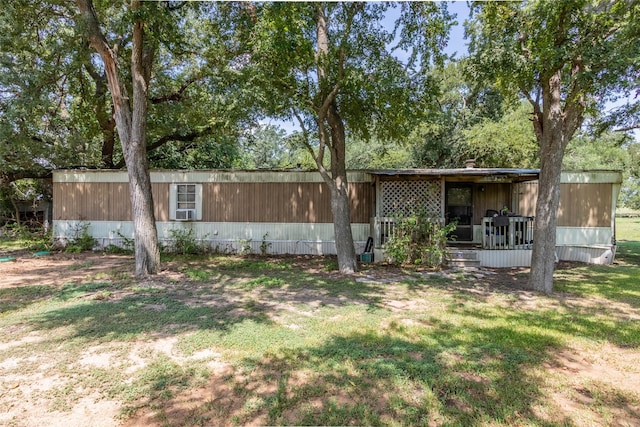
pixel 224 340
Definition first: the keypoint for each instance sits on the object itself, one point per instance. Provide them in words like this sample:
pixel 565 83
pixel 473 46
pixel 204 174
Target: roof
pixel 478 174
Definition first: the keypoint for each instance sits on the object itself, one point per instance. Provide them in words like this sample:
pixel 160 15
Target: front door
pixel 459 207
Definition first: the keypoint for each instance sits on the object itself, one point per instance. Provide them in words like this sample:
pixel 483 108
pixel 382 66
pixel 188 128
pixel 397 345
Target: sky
pixel 457 44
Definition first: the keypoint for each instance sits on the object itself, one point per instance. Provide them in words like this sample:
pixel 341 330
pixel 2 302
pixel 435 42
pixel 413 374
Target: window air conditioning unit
pixel 185 214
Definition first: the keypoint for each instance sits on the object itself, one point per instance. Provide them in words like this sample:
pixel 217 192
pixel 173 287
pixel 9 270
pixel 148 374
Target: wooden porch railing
pixel 507 232
pixel 499 233
pixel 382 230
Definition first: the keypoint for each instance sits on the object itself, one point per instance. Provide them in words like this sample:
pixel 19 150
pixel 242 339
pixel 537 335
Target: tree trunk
pixel 544 232
pixel 335 141
pixel 340 204
pixel 554 128
pixel 132 132
pixel 347 262
pixel 144 221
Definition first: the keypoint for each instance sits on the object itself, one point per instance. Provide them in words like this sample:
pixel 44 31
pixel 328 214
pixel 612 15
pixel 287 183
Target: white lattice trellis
pixel 407 197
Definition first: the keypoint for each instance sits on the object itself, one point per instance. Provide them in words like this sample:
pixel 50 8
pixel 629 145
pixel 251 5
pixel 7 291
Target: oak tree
pixel 330 67
pixel 566 58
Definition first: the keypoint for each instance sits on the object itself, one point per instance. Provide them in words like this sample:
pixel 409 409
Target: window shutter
pixel 198 202
pixel 173 189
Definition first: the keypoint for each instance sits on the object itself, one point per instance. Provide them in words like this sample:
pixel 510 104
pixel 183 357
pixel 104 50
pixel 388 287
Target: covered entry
pixel 459 207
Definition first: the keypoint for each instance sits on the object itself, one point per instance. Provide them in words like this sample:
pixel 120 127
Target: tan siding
pixel 280 202
pixel 527 196
pixel 119 201
pixel 581 204
pixel 585 205
pixel 161 200
pixel 103 201
pixel 494 197
pixel 222 202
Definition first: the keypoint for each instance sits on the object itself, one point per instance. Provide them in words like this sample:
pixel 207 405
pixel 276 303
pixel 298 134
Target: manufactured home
pixel 289 212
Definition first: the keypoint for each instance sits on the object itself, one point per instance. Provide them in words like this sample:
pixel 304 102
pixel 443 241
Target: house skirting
pixel 602 255
pixel 277 238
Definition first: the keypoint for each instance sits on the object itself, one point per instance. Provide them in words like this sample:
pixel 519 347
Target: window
pixel 186 202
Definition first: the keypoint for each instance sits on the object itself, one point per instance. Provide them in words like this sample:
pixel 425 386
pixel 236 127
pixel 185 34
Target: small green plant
pixel 419 240
pixel 184 242
pixel 80 240
pixel 245 247
pixel 264 246
pixel 126 247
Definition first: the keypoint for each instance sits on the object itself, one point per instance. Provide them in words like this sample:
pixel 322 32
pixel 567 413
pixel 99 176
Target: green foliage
pixel 419 240
pixel 80 239
pixel 184 241
pixel 608 151
pixel 508 142
pixel 126 247
pixel 264 245
pixel 377 154
pixel 459 103
pixel 210 152
pixel 267 147
pixel 522 44
pixel 56 110
pixel 377 95
pixel 630 193
pixel 245 247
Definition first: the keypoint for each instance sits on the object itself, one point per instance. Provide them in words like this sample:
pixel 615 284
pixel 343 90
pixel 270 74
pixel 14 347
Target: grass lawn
pixel 628 229
pixel 224 340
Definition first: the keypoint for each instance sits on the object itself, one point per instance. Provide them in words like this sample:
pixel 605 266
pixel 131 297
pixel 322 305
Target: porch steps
pixel 463 258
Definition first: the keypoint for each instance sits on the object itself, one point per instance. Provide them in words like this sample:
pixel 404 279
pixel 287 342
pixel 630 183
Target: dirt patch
pixel 59 268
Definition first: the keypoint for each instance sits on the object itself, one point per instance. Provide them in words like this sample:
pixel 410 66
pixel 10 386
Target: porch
pixel 490 208
pixel 506 242
pixel 500 233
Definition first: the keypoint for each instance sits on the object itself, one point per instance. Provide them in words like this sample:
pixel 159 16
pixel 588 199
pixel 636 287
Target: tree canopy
pixel 330 67
pixel 566 58
pixel 55 109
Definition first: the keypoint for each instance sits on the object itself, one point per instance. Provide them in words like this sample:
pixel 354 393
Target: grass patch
pixel 17 298
pixel 265 281
pixel 628 229
pixel 276 341
pixel 618 282
pixel 197 274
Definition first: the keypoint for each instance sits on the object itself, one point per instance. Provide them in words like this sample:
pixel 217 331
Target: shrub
pixel 184 242
pixel 81 240
pixel 420 240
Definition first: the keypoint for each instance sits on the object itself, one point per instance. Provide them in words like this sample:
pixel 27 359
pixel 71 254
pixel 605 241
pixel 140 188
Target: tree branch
pixel 177 95
pixel 537 112
pixel 177 137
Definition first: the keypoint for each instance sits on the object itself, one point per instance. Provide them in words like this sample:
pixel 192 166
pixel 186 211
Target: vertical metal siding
pixel 308 202
pixel 581 204
pixel 585 205
pixel 295 238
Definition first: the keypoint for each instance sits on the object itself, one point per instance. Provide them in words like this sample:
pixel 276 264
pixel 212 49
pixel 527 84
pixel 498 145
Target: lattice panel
pixel 407 197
